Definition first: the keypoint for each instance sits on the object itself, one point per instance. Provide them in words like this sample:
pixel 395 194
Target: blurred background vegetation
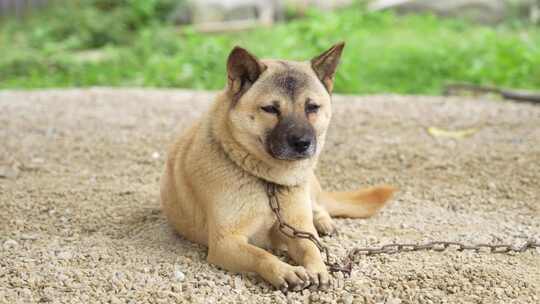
pixel 140 43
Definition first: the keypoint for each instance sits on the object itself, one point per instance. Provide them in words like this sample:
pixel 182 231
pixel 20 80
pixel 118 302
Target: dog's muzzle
pixel 293 138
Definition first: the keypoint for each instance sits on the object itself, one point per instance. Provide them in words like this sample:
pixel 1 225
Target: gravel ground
pixel 80 219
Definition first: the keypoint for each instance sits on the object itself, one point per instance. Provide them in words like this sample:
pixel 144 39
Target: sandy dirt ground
pixel 80 220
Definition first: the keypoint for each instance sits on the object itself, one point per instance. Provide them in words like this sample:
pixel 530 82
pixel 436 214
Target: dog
pixel 267 126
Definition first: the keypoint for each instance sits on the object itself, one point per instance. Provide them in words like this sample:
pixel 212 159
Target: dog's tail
pixel 356 204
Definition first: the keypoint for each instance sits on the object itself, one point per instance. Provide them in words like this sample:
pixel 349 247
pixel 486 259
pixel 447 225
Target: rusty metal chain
pixel 346 266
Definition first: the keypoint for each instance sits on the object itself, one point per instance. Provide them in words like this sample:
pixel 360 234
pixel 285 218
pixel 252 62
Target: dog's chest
pixel 261 237
pixel 263 220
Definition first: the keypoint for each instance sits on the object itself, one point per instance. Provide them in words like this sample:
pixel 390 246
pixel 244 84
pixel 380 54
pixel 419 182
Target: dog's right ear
pixel 243 69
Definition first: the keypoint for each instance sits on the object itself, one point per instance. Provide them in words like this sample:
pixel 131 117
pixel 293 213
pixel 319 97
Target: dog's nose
pixel 300 144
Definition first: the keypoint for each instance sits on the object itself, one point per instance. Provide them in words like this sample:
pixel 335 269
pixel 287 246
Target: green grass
pixel 384 52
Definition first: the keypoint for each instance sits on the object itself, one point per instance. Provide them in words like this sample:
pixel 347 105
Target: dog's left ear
pixel 325 65
pixel 243 69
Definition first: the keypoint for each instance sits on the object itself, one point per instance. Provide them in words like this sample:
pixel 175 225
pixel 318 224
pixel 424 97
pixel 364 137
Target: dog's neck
pixel 285 173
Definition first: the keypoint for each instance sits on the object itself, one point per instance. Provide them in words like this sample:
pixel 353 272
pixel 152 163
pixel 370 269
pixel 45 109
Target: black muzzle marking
pixel 293 138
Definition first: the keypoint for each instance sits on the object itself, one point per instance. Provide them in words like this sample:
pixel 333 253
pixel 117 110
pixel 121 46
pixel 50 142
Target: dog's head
pixel 281 109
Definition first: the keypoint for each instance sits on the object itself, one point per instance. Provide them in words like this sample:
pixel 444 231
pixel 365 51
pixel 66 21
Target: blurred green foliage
pixel 130 43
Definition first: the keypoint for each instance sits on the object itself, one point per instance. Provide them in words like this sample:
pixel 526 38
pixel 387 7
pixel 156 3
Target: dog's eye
pixel 271 109
pixel 312 108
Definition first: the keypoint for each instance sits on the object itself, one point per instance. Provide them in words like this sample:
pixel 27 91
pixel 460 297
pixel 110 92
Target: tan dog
pixel 269 124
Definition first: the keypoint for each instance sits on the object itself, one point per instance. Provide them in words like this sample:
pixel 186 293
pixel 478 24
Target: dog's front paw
pixel 286 277
pixel 324 224
pixel 319 277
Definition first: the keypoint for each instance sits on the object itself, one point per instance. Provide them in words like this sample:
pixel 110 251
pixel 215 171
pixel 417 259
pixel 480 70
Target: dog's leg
pixel 296 212
pixel 305 253
pixel 361 203
pixel 234 253
pixel 321 218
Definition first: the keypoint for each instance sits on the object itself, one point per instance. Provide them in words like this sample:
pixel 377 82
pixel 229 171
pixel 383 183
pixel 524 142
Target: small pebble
pixel 62 277
pixel 115 300
pixel 238 283
pixel 179 275
pixel 393 301
pixel 9 172
pixel 38 160
pixel 9 244
pixel 347 299
pixel 28 237
pixel 64 255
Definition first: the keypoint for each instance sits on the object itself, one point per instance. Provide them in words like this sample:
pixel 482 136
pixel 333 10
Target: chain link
pixel 346 266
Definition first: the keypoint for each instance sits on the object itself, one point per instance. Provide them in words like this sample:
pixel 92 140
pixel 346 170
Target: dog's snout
pixel 293 139
pixel 300 143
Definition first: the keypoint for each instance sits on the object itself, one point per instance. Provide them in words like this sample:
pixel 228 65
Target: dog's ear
pixel 243 69
pixel 326 63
